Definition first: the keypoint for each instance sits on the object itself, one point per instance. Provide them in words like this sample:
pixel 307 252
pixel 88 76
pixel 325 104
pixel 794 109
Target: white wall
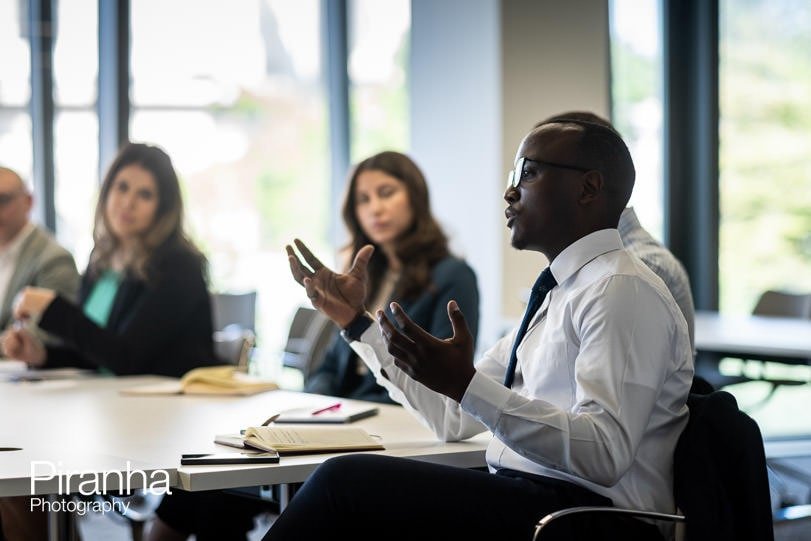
pixel 482 73
pixel 456 132
pixel 555 58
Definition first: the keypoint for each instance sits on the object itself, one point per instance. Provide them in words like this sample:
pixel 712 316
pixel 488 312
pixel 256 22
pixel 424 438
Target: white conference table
pixel 87 425
pixel 758 337
pixel 753 336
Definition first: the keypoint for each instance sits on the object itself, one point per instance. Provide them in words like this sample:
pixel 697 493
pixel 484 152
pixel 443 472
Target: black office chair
pixel 720 483
pixel 308 339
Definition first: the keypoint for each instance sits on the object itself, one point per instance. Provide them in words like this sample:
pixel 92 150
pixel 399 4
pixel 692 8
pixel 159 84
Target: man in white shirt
pixel 596 404
pixel 643 245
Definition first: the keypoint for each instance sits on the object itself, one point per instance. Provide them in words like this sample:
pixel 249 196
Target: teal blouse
pixel 100 301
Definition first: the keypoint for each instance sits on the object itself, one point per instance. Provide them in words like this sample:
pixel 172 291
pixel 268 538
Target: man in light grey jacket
pixel 29 255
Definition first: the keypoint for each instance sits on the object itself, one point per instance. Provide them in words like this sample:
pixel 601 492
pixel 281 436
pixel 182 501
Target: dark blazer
pixel 451 279
pixel 161 327
pixel 721 483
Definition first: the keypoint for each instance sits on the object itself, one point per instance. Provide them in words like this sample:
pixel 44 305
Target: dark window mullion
pixel 114 79
pixel 42 25
pixel 690 47
pixel 335 47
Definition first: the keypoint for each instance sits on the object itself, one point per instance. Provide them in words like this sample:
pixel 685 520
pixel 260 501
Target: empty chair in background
pixel 783 304
pixel 774 303
pixel 234 309
pixel 310 334
pixel 234 320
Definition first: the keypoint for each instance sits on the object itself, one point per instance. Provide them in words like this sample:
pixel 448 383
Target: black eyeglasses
pixel 514 176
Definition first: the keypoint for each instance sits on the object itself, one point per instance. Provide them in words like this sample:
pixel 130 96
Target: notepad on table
pixel 208 380
pixel 337 414
pixel 300 439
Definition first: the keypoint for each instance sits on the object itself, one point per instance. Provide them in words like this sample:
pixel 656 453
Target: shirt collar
pixel 628 221
pixel 577 254
pixel 15 246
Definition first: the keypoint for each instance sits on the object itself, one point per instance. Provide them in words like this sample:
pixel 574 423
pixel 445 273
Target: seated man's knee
pixel 352 469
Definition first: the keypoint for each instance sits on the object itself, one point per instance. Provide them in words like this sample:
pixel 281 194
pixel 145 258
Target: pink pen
pixel 328 408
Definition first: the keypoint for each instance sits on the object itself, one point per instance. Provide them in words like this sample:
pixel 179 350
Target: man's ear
pixel 592 185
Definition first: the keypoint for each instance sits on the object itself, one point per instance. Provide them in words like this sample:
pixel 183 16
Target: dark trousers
pixel 211 515
pixel 372 497
pixel 19 523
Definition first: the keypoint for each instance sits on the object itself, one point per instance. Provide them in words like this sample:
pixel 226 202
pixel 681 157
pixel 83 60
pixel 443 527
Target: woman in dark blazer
pixel 387 205
pixel 144 307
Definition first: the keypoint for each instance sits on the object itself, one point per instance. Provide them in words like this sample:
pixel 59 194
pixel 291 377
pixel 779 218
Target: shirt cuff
pixel 485 399
pixel 356 327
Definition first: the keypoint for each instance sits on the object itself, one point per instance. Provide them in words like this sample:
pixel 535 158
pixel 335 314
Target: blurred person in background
pixel 387 205
pixel 29 255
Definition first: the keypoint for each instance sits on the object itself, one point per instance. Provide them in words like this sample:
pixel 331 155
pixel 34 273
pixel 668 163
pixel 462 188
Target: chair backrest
pixel 721 482
pixel 310 334
pixel 783 304
pixel 234 309
pixel 234 346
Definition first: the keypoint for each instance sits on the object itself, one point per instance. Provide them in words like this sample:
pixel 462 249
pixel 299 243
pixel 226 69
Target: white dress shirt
pixel 601 383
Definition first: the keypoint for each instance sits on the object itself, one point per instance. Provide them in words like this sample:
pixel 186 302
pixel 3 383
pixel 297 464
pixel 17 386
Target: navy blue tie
pixel 543 285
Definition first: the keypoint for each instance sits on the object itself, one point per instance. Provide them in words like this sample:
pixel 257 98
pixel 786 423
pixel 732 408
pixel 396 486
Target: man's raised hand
pixel 339 296
pixel 445 366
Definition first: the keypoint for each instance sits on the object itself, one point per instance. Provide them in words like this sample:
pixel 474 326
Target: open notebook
pixel 303 439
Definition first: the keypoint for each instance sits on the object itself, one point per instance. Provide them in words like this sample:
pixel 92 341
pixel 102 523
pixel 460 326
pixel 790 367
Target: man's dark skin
pixel 551 208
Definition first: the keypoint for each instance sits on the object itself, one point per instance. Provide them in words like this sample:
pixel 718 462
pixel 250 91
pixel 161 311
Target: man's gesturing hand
pixel 445 366
pixel 339 296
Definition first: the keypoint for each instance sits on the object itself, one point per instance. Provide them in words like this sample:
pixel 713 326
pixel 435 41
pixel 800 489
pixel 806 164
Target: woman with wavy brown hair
pixel 387 205
pixel 144 306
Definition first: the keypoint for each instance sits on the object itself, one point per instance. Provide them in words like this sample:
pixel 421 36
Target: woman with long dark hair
pixel 144 306
pixel 387 205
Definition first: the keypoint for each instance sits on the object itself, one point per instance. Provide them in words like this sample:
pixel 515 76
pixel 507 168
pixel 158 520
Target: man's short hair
pixel 601 147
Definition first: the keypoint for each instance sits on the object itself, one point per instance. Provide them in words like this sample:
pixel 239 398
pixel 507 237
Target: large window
pixel 15 88
pixel 378 56
pixel 765 190
pixel 75 71
pixel 234 94
pixel 636 77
